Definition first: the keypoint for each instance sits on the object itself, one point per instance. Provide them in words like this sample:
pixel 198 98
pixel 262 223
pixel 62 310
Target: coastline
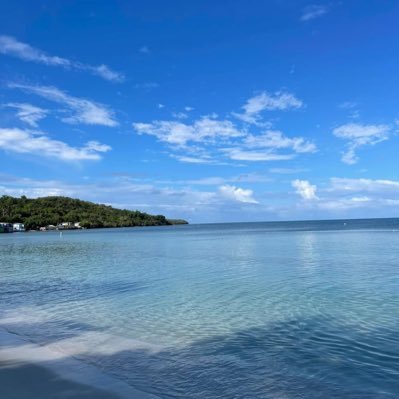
pixel 28 369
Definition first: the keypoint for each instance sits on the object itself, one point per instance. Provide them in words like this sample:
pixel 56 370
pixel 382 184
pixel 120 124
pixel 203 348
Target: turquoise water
pixel 249 310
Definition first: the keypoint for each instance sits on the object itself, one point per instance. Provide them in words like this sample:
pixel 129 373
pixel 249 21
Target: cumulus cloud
pixel 358 135
pixel 37 143
pixel 237 194
pixel 11 46
pixel 81 110
pixel 265 101
pixel 306 190
pixel 210 137
pixel 28 113
pixel 314 11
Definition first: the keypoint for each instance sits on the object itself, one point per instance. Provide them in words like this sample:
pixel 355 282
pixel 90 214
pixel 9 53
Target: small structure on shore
pixel 18 227
pixel 6 227
pixel 69 226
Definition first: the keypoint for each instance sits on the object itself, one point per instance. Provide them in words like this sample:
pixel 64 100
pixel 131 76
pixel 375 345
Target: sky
pixel 211 111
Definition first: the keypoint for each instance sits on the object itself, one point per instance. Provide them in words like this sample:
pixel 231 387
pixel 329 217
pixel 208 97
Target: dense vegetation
pixel 35 213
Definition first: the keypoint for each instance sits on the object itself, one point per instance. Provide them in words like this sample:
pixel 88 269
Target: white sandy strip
pixel 15 349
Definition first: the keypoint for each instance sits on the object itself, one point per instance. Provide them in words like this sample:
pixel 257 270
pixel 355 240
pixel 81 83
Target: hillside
pixel 44 211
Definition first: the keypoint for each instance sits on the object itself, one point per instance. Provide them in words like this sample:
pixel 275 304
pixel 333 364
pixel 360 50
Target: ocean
pixel 240 310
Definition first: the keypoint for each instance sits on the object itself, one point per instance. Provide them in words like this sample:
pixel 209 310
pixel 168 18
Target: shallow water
pixel 249 310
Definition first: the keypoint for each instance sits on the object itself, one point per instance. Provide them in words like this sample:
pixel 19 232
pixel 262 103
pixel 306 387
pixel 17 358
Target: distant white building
pixel 18 227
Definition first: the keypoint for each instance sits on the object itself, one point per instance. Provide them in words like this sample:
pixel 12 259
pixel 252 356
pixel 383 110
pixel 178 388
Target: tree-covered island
pixel 52 211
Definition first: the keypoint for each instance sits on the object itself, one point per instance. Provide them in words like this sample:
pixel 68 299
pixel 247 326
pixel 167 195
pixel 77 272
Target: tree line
pixel 44 211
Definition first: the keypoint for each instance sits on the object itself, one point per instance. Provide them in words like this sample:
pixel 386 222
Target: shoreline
pixel 28 369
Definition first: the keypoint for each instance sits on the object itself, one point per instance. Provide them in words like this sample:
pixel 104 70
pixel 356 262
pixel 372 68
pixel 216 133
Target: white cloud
pixel 11 46
pixel 314 11
pixel 342 195
pixel 179 115
pixel 277 140
pixel 358 135
pixel 188 159
pixel 306 190
pixel 188 109
pixel 267 102
pixel 37 143
pixel 28 113
pixel 348 105
pixel 106 73
pixel 266 155
pixel 352 108
pixel 83 110
pixel 180 134
pixel 345 185
pixel 237 194
pixel 211 137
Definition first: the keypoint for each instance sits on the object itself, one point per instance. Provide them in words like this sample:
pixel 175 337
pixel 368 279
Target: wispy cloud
pixel 179 133
pixel 188 159
pixel 179 115
pixel 265 101
pixel 277 140
pixel 11 46
pixel 286 171
pixel 358 135
pixel 38 143
pixel 218 181
pixel 81 110
pixel 362 186
pixel 352 108
pixel 314 11
pixel 256 156
pixel 28 113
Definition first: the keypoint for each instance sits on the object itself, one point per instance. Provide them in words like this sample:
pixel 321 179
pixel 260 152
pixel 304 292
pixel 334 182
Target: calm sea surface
pixel 248 310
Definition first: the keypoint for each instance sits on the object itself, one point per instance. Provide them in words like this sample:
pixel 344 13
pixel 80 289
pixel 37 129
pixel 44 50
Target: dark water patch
pixel 316 360
pixel 56 290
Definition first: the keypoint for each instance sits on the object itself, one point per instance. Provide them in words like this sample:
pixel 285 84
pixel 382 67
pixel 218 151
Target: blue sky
pixel 211 111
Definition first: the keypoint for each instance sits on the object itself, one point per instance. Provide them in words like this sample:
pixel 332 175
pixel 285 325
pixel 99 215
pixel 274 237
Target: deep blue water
pixel 246 310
